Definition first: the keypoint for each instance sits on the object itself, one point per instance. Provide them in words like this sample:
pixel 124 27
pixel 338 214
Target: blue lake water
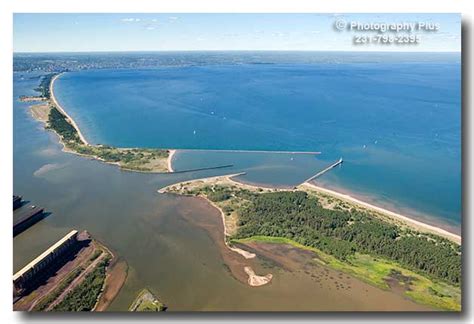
pixel 397 125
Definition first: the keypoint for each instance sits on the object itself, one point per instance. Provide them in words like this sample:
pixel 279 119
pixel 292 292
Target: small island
pixel 146 301
pixel 50 112
pixel 390 253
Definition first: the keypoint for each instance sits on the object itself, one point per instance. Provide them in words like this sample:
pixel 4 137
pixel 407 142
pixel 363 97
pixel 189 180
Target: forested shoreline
pixel 134 159
pixel 345 237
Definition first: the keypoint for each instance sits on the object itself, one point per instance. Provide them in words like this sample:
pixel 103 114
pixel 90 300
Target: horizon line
pixel 224 50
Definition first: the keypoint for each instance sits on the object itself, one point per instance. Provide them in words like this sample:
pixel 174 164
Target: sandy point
pixel 256 280
pixel 171 154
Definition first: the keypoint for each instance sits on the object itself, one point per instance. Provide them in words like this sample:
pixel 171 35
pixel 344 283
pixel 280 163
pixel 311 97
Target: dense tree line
pixel 84 296
pixel 130 157
pixel 43 88
pixel 57 121
pixel 341 233
pixel 52 296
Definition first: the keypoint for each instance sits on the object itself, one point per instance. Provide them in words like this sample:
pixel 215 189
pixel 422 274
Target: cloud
pixel 174 18
pixel 278 34
pixel 130 19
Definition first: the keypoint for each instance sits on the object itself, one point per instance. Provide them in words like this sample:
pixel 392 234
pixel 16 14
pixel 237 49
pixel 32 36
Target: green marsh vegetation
pixel 348 239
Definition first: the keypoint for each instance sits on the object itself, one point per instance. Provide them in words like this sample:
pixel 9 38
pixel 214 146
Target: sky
pixel 170 32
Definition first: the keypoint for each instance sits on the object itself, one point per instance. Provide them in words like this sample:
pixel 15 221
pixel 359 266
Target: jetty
pixel 320 173
pixel 201 169
pixel 252 151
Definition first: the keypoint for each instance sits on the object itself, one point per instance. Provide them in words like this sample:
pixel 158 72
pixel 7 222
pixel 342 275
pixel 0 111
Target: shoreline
pixel 169 161
pixel 385 271
pixel 405 220
pixel 245 254
pixel 171 151
pixel 83 148
pixel 253 280
pixel 408 221
pixel 61 109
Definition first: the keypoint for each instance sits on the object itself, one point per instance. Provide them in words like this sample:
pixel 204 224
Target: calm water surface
pixel 397 125
pixel 165 251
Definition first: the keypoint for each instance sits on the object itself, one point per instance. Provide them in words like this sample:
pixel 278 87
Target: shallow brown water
pixel 299 282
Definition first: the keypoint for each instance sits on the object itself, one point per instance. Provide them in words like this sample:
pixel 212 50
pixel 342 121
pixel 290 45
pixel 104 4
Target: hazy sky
pixel 157 32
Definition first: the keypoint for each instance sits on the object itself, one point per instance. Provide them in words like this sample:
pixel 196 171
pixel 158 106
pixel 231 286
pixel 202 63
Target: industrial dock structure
pixel 36 269
pixel 26 216
pixel 17 202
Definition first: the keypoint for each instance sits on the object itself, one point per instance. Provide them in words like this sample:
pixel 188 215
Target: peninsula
pixel 365 241
pixel 50 112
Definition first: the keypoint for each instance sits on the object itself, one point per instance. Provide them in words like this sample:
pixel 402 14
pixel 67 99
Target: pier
pixel 320 173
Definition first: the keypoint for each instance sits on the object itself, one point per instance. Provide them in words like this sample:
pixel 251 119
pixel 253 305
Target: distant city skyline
pixel 200 32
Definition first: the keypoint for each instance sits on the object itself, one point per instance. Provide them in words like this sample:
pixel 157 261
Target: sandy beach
pixel 255 280
pixel 417 225
pixel 58 106
pixel 216 180
pixel 403 219
pixel 154 165
pixel 170 160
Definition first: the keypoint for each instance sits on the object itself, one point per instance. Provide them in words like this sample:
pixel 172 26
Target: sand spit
pixel 170 160
pixel 255 280
pixel 60 108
